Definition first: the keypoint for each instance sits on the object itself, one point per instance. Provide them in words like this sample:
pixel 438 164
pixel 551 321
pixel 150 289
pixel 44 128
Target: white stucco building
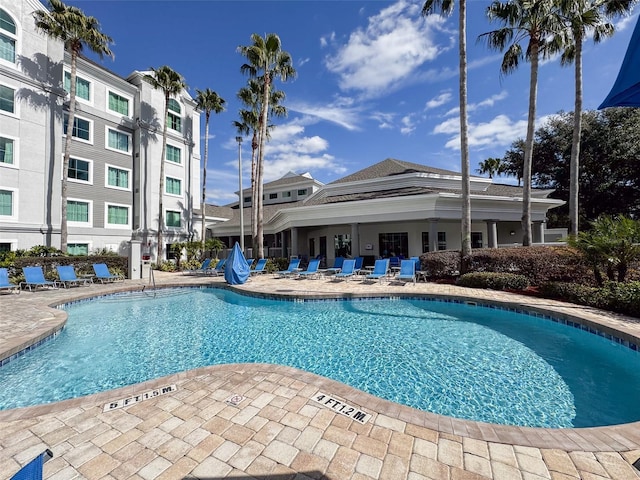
pixel 390 208
pixel 115 160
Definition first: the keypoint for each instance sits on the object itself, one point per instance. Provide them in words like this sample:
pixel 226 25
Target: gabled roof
pixel 391 167
pixel 292 178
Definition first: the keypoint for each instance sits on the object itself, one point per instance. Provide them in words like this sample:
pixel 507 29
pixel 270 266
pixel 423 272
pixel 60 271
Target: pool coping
pixel 619 438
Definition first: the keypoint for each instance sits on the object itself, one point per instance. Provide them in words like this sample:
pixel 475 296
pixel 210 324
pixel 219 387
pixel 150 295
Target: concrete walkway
pixel 255 421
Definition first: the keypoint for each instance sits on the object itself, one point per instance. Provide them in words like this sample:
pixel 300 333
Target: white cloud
pixel 338 112
pixel 500 131
pixel 625 22
pixel 438 101
pixel 394 44
pixel 384 119
pixel 408 125
pixel 303 61
pixel 487 102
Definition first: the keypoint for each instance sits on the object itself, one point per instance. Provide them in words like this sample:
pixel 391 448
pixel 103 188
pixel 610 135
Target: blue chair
pixel 294 264
pixel 407 271
pixel 68 276
pixel 250 262
pixel 5 284
pixel 34 277
pixel 348 269
pixel 260 267
pixel 33 469
pixel 203 268
pixel 359 262
pixel 380 270
pixel 218 269
pixel 104 275
pixel 394 262
pixel 337 265
pixel 312 269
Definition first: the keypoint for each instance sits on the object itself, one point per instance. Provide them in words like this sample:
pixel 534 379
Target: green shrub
pixel 613 296
pixel 441 265
pixel 494 281
pixel 569 292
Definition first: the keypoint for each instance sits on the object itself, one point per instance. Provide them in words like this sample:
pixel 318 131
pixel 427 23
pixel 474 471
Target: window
pixel 118 104
pixel 286 194
pixel 7 99
pixel 7 151
pixel 81 128
pixel 117 215
pixel 83 87
pixel 425 242
pixel 173 186
pixel 118 140
pixel 442 240
pixel 117 177
pixel 273 196
pixel 476 239
pixel 7 37
pixel 342 245
pixel 174 154
pixel 6 203
pixel 172 219
pixel 5 247
pixel 78 248
pixel 393 244
pixel 302 191
pixel 174 122
pixel 78 211
pixel 246 199
pixel 79 170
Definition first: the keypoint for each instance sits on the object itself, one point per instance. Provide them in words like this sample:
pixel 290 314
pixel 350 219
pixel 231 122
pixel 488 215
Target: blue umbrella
pixel 626 90
pixel 236 270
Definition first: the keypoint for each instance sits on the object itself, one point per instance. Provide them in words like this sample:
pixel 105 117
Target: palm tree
pixel 267 61
pixel 581 18
pixel 208 101
pixel 172 84
pixel 77 31
pixel 250 96
pixel 533 21
pixel 491 166
pixel 446 7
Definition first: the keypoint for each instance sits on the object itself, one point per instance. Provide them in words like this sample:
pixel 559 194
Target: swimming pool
pixel 454 359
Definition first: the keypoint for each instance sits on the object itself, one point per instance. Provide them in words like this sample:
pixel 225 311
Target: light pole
pixel 239 140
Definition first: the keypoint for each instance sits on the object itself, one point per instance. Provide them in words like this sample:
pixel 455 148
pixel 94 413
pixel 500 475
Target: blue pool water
pixel 454 359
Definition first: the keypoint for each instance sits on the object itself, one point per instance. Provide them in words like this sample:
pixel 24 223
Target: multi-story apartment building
pixel 114 169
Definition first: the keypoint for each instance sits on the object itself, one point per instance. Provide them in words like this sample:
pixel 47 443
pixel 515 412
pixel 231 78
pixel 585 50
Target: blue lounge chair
pixel 359 262
pixel 33 469
pixel 337 266
pixel 380 270
pixel 5 284
pixel 312 269
pixel 68 276
pixel 260 267
pixel 104 275
pixel 407 271
pixel 218 269
pixel 34 277
pixel 294 264
pixel 250 262
pixel 348 269
pixel 203 268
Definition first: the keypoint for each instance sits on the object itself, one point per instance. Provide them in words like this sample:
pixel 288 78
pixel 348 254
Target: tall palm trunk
pixel 64 234
pixel 160 259
pixel 204 177
pixel 574 175
pixel 528 147
pixel 465 252
pixel 254 193
pixel 260 166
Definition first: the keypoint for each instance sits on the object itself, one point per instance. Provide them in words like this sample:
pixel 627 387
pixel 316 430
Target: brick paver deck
pixel 278 431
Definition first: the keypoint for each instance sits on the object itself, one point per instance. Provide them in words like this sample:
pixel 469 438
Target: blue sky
pixel 374 80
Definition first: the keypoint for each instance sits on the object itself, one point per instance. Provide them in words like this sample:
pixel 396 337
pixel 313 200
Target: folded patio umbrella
pixel 236 270
pixel 626 89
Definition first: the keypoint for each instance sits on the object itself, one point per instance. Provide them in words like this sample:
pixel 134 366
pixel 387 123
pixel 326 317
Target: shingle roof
pixel 390 167
pixel 288 180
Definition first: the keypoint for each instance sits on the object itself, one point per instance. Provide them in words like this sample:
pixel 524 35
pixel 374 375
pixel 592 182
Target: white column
pixel 492 233
pixel 537 232
pixel 433 234
pixel 294 242
pixel 355 240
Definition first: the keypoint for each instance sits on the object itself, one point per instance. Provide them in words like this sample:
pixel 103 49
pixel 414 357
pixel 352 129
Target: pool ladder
pixel 152 281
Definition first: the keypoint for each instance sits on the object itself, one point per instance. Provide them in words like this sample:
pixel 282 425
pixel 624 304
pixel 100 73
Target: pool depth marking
pixel 342 408
pixel 125 402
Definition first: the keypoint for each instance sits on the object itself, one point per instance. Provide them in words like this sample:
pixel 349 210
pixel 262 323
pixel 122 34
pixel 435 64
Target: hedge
pixel 493 281
pixel 613 296
pixel 81 263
